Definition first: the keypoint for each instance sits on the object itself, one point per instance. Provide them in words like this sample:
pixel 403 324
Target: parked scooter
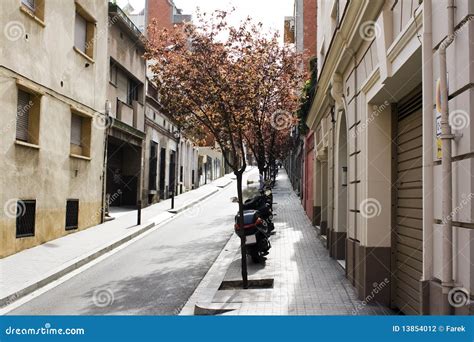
pixel 262 203
pixel 256 233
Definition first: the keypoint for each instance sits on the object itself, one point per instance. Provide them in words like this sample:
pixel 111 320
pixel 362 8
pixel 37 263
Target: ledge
pixel 77 156
pixel 409 31
pixel 29 86
pixel 371 80
pixel 90 60
pixel 28 12
pixel 81 112
pixel 26 144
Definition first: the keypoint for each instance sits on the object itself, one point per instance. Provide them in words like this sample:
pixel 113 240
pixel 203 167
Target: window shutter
pixel 122 86
pixel 80 33
pixel 29 3
pixel 76 130
pixel 22 114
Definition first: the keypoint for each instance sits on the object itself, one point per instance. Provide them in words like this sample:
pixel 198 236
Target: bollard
pixel 139 213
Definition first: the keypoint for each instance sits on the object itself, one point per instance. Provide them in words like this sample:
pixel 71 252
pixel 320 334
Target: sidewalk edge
pixel 85 259
pixel 209 285
pixel 75 264
pixel 190 204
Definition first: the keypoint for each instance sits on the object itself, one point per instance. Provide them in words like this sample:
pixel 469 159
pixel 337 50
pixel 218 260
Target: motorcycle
pixel 256 235
pixel 262 203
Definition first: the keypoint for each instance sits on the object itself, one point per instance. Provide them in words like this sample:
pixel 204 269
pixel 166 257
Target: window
pixel 113 73
pixel 27 117
pixel 128 89
pixel 84 33
pixel 34 9
pixel 25 218
pixel 81 125
pixel 22 115
pixel 132 94
pixel 29 3
pixel 72 214
pixel 80 37
pixel 152 91
pixel 76 130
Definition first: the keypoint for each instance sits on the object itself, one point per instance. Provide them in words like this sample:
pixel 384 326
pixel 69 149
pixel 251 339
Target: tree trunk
pixel 243 248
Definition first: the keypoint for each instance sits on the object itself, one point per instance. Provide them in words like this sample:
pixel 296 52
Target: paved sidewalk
pixel 306 280
pixel 28 270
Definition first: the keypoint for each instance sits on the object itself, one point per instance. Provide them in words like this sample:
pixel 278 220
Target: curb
pixel 213 309
pixel 199 303
pixel 190 204
pixel 85 259
pixel 73 265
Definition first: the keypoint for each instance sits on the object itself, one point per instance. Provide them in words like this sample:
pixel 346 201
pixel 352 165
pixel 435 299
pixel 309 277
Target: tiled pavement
pixel 306 280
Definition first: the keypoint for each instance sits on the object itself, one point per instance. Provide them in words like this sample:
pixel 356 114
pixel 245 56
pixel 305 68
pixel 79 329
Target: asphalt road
pixel 153 276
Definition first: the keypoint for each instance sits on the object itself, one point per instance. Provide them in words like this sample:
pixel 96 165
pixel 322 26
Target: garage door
pixel 408 221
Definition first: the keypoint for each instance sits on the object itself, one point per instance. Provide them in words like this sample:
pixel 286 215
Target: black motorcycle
pixel 262 203
pixel 256 235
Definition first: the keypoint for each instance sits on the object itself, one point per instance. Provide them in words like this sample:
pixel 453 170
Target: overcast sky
pixel 270 12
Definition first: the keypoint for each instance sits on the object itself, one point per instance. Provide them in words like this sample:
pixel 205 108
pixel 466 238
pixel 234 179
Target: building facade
pixel 378 180
pixel 210 165
pixel 171 160
pixel 170 157
pixel 53 101
pixel 126 96
pixel 303 27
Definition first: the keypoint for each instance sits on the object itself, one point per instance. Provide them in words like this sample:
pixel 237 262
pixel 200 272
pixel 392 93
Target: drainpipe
pixel 105 205
pixel 446 138
pixel 427 142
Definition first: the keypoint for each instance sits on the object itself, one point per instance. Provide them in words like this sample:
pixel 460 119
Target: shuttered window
pixel 76 130
pixel 80 33
pixel 29 3
pixel 25 218
pixel 22 115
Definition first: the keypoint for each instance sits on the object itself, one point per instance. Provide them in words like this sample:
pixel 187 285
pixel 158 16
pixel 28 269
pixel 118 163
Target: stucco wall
pixel 41 57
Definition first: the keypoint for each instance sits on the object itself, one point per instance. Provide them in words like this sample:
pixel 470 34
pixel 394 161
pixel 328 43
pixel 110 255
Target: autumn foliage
pixel 235 83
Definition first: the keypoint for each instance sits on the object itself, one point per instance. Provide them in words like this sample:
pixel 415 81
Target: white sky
pixel 270 12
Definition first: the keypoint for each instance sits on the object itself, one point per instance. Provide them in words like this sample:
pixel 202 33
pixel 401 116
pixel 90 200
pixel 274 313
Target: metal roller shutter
pixel 22 115
pixel 409 209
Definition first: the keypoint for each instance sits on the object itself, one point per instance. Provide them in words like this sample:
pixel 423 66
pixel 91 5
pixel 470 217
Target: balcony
pixel 133 115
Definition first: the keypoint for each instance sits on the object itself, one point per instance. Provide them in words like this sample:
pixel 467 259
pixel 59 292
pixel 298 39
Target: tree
pixel 210 80
pixel 276 77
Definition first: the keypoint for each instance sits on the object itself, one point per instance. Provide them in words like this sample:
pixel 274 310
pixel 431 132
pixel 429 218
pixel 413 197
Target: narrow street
pixel 153 276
